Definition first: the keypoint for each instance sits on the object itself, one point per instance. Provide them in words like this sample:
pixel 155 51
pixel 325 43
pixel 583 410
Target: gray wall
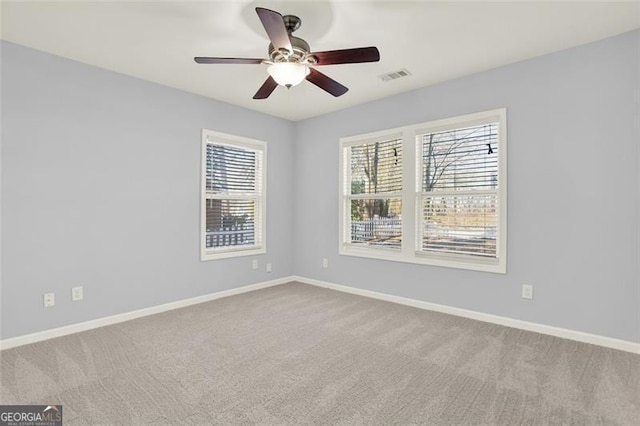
pixel 573 191
pixel 100 188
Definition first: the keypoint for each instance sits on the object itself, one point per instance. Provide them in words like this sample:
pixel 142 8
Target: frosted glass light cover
pixel 288 73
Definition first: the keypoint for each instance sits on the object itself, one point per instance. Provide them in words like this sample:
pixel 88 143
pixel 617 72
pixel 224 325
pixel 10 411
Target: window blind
pixel 376 168
pixel 233 196
pixel 459 197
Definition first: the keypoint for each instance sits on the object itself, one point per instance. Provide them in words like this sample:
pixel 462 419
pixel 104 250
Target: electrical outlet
pixel 49 299
pixel 268 268
pixel 527 291
pixel 76 294
pixel 325 263
pixel 255 264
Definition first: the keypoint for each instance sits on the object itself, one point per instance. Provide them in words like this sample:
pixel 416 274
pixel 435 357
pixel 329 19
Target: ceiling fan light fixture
pixel 288 73
pixel 292 59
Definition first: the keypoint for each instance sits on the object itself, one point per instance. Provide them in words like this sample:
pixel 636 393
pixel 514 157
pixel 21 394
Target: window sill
pixel 230 253
pixel 481 265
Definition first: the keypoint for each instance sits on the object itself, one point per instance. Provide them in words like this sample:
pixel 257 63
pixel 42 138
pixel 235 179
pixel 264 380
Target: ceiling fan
pixel 291 60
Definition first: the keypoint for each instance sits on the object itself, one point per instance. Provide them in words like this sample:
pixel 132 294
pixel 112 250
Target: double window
pixel 433 193
pixel 233 196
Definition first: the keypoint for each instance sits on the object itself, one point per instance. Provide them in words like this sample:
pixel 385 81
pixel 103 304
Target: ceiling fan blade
pixel 266 89
pixel 348 56
pixel 206 60
pixel 273 24
pixel 326 83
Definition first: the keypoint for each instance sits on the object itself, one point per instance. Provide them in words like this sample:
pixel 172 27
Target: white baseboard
pixel 114 319
pixel 564 333
pixel 579 336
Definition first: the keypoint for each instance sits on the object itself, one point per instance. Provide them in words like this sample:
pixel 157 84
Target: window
pixel 233 196
pixel 433 193
pixel 374 193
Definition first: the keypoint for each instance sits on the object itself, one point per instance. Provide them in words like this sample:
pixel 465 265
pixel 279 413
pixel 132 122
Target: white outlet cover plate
pixel 76 294
pixel 49 299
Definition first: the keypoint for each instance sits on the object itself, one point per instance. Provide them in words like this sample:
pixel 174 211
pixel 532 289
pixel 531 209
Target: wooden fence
pixel 381 231
pixel 236 235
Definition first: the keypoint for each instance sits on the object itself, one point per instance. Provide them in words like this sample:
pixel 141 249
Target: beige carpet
pixel 296 354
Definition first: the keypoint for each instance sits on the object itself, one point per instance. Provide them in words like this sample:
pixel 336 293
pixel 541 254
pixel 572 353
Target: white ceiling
pixel 157 40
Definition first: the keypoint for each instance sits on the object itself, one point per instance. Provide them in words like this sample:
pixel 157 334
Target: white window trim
pixel 411 192
pixel 237 251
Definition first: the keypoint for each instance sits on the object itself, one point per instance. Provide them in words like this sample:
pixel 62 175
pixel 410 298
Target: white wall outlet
pixel 268 268
pixel 527 291
pixel 255 264
pixel 49 299
pixel 76 294
pixel 325 262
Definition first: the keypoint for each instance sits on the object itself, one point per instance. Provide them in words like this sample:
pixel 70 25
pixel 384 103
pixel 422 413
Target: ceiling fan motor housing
pixel 300 47
pixel 300 51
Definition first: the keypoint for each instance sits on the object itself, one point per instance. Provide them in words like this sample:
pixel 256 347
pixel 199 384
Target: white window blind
pixel 459 191
pixel 233 210
pixel 373 193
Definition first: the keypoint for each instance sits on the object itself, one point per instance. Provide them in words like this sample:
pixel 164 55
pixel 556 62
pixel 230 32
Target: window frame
pixel 210 136
pixel 412 192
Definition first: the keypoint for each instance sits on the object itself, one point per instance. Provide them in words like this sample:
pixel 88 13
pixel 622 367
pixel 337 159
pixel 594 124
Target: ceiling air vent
pixel 395 75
